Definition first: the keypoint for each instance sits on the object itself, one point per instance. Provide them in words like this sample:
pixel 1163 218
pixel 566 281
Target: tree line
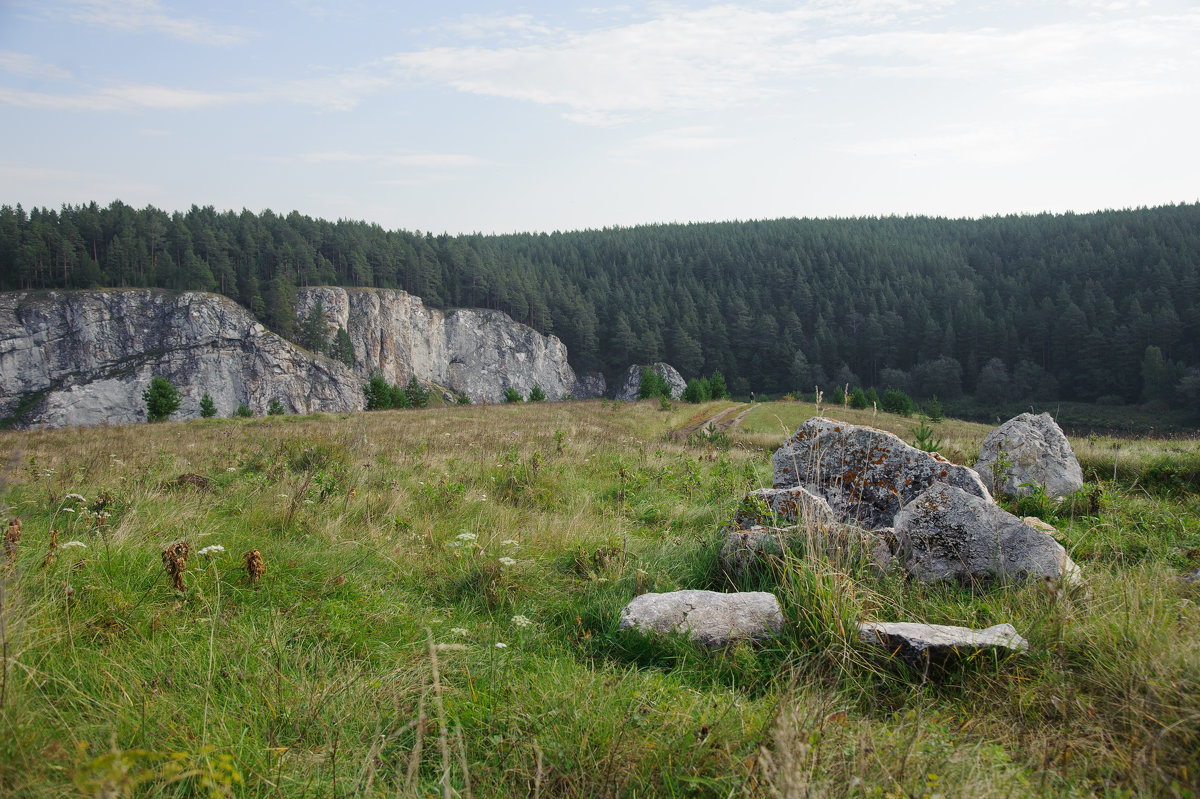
pixel 1102 306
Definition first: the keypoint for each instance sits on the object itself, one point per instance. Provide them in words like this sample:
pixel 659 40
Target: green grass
pixel 365 661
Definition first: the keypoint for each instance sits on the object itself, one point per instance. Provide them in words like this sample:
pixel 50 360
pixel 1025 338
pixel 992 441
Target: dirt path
pixel 723 420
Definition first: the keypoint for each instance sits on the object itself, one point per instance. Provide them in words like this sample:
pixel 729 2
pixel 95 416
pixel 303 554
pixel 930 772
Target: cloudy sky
pixel 463 117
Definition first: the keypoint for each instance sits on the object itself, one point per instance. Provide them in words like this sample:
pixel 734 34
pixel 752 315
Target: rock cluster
pixel 1029 451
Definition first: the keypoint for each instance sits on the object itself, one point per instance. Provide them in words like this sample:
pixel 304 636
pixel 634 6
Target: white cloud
pixel 688 139
pixel 31 66
pixel 724 56
pixel 414 160
pixel 148 16
pixel 119 98
pixel 978 145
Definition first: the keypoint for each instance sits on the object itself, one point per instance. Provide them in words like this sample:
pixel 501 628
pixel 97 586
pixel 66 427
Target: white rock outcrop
pixel 474 352
pixel 922 645
pixel 1038 454
pixel 84 358
pixel 632 381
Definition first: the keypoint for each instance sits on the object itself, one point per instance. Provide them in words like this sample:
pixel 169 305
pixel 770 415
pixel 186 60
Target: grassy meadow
pixel 436 612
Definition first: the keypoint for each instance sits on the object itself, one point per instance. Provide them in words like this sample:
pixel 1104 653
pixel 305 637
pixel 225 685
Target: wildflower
pixel 521 621
pixel 211 549
pixel 507 561
pixel 68 510
pixel 76 496
pixel 451 648
pixel 465 536
pixel 501 645
pixel 73 545
pixel 231 469
pixel 459 630
pixel 509 542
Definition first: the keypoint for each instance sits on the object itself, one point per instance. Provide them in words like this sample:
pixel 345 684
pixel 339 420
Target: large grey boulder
pixel 796 504
pixel 923 645
pixel 709 618
pixel 632 381
pixel 1038 454
pixel 947 534
pixel 866 475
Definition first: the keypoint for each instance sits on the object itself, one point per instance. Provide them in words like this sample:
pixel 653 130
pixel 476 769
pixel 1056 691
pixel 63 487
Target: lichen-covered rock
pixel 748 549
pixel 1038 454
pixel 946 534
pixel 923 645
pixel 474 352
pixel 709 618
pixel 590 386
pixel 84 358
pixel 632 381
pixel 866 475
pixel 772 505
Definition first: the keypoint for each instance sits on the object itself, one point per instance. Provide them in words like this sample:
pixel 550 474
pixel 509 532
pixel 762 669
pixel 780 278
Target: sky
pixel 483 117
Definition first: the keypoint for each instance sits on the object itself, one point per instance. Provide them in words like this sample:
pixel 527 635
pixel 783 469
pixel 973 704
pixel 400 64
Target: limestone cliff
pixel 475 352
pixel 84 358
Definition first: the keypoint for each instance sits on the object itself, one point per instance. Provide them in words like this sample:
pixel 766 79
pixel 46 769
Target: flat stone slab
pixel 711 619
pixel 921 645
pixel 866 475
pixel 946 534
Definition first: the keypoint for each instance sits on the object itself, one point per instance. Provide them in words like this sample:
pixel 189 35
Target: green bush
pixel 512 395
pixel 208 408
pixel 162 399
pixel 697 391
pixel 653 385
pixel 275 408
pixel 243 411
pixel 536 394
pixel 716 386
pixel 897 402
pixel 417 395
pixel 858 399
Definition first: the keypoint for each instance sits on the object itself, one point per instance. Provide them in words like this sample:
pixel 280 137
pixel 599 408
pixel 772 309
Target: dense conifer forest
pixel 1102 306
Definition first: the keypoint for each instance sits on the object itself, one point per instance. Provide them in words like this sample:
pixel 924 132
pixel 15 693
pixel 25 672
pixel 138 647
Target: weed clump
pixel 11 538
pixel 174 560
pixel 254 565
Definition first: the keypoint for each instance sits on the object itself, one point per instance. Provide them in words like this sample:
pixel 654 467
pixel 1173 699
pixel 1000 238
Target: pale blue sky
pixel 484 117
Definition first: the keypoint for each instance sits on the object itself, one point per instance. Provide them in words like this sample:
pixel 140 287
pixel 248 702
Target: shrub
pixel 872 397
pixel 933 409
pixel 417 395
pixel 653 385
pixel 858 399
pixel 162 399
pixel 342 348
pixel 377 392
pixel 536 394
pixel 243 411
pixel 275 408
pixel 512 395
pixel 716 385
pixel 697 391
pixel 837 396
pixel 897 402
pixel 208 408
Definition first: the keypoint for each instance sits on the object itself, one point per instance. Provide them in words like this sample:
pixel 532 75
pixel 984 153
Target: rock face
pixel 946 534
pixel 922 645
pixel 709 618
pixel 84 358
pixel 796 504
pixel 628 392
pixel 1038 454
pixel 866 475
pixel 478 353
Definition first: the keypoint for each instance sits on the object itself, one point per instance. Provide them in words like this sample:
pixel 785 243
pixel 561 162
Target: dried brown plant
pixel 174 560
pixel 51 553
pixel 255 567
pixel 11 538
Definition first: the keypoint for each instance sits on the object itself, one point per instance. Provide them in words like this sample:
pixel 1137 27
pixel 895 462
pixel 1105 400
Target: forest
pixel 1099 307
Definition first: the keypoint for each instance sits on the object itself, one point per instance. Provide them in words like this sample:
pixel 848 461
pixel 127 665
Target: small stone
pixel 796 504
pixel 711 619
pixel 922 645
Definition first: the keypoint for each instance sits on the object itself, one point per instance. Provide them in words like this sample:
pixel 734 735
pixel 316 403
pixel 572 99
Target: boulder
pixel 710 619
pixel 923 645
pixel 745 549
pixel 796 504
pixel 866 475
pixel 1038 454
pixel 590 386
pixel 632 381
pixel 947 534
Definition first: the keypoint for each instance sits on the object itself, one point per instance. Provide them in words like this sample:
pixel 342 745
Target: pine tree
pixel 162 399
pixel 208 408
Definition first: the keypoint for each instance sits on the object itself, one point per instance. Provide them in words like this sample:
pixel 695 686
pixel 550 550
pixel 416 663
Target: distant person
pixel 751 397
